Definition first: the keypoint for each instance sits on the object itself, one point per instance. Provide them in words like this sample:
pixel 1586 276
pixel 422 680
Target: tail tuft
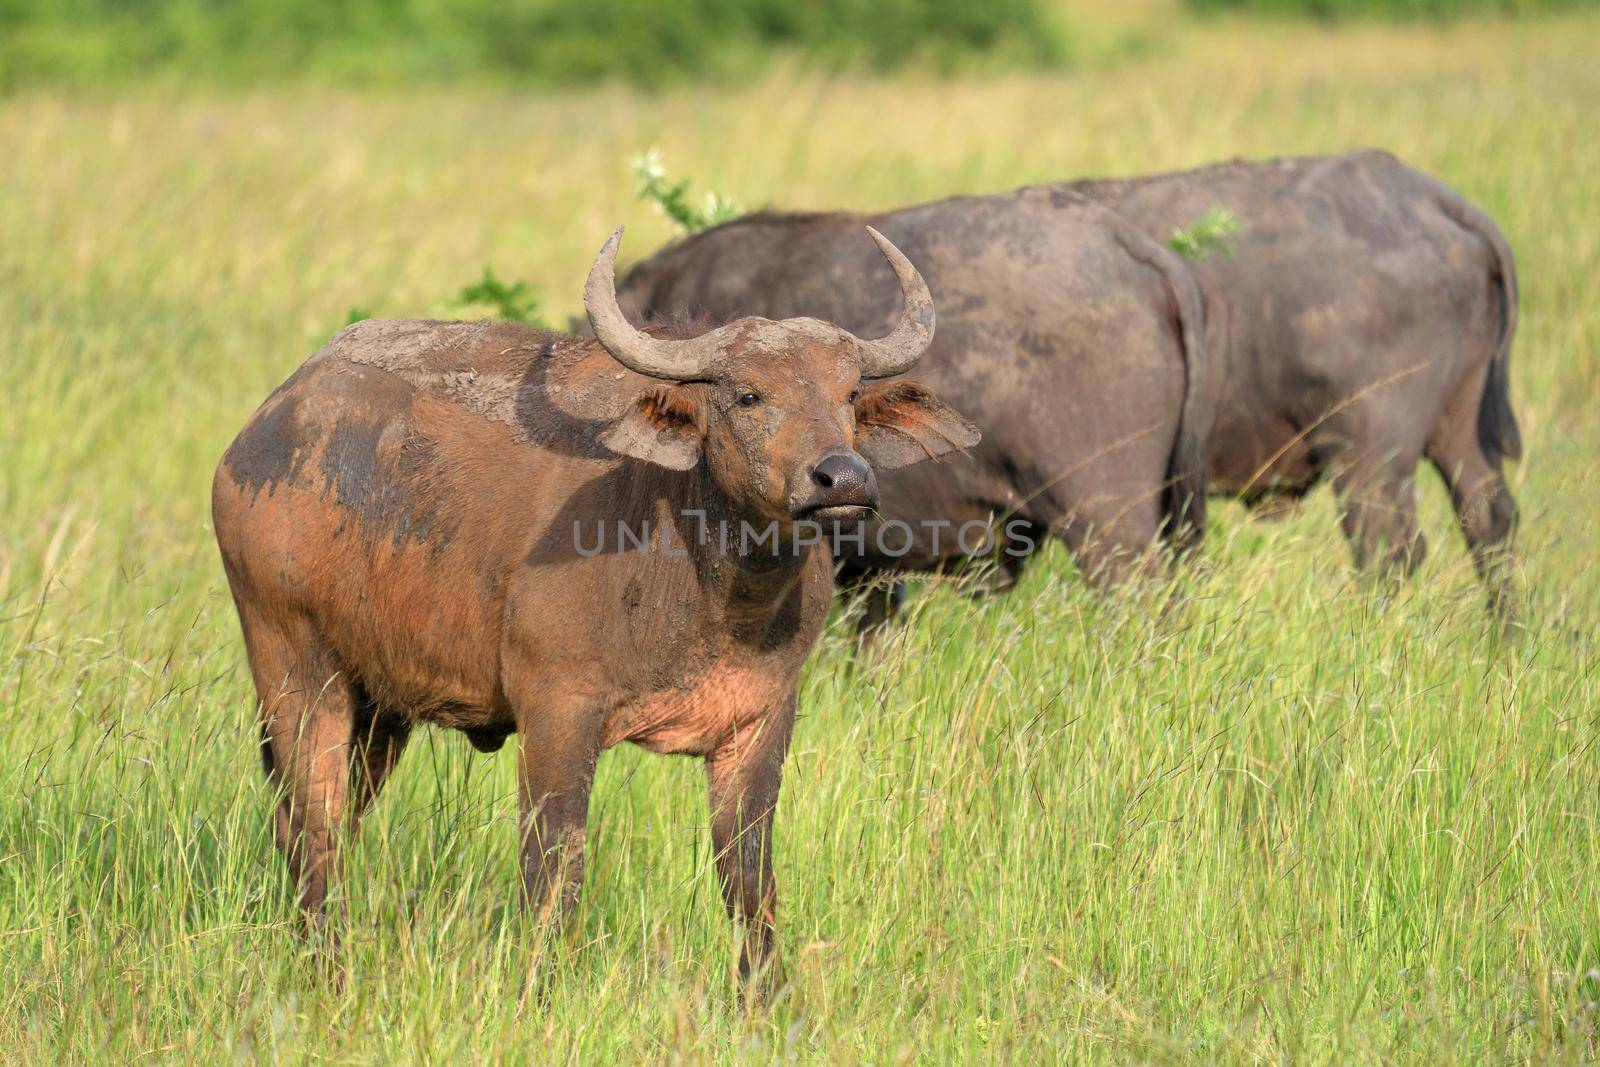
pixel 1184 506
pixel 1498 434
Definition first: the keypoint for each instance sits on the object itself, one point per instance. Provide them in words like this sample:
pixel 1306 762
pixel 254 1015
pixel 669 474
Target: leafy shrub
pixel 515 301
pixel 647 42
pixel 672 198
pixel 1212 232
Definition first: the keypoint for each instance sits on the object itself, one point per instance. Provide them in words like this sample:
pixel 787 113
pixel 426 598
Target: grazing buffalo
pixel 505 531
pixel 1361 321
pixel 1075 340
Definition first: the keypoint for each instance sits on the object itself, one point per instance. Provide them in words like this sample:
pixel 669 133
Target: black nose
pixel 843 478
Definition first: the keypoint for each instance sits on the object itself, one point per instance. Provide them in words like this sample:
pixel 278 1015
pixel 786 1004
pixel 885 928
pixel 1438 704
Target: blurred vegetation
pixel 518 301
pixel 96 42
pixel 514 301
pixel 671 199
pixel 1390 8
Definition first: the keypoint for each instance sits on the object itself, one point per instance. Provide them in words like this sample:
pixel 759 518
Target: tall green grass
pixel 1272 814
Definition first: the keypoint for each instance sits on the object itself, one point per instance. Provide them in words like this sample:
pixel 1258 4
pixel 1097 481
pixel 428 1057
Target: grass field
pixel 1290 819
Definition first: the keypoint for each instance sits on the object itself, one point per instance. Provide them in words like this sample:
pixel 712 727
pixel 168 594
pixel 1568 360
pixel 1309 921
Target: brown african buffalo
pixel 1362 320
pixel 1075 339
pixel 413 529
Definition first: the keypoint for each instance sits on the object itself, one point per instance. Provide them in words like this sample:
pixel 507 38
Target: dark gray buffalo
pixel 1362 321
pixel 1074 339
pixel 504 531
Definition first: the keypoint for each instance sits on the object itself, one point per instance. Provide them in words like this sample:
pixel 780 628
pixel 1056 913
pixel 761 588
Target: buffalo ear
pixel 899 423
pixel 663 427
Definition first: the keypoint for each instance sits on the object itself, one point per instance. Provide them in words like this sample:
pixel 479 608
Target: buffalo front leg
pixel 745 775
pixel 560 745
pixel 881 600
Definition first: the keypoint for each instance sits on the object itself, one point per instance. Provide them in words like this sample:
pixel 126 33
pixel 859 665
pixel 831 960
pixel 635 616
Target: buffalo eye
pixel 855 394
pixel 749 400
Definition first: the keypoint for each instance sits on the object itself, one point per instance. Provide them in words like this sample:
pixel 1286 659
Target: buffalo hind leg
pixel 1115 541
pixel 745 776
pixel 378 741
pixel 1380 516
pixel 1487 513
pixel 308 707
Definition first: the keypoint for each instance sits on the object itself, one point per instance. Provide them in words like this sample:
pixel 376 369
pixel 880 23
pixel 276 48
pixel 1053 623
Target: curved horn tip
pixel 627 344
pixel 912 335
pixel 886 246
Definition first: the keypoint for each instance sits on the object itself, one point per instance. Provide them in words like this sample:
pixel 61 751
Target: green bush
pixel 514 301
pixel 672 198
pixel 648 42
pixel 1388 8
pixel 1212 232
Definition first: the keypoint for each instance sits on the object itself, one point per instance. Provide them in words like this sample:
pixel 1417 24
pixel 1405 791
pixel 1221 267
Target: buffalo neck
pixel 753 584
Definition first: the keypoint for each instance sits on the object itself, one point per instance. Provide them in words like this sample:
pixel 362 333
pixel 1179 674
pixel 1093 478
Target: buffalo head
pixel 786 415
